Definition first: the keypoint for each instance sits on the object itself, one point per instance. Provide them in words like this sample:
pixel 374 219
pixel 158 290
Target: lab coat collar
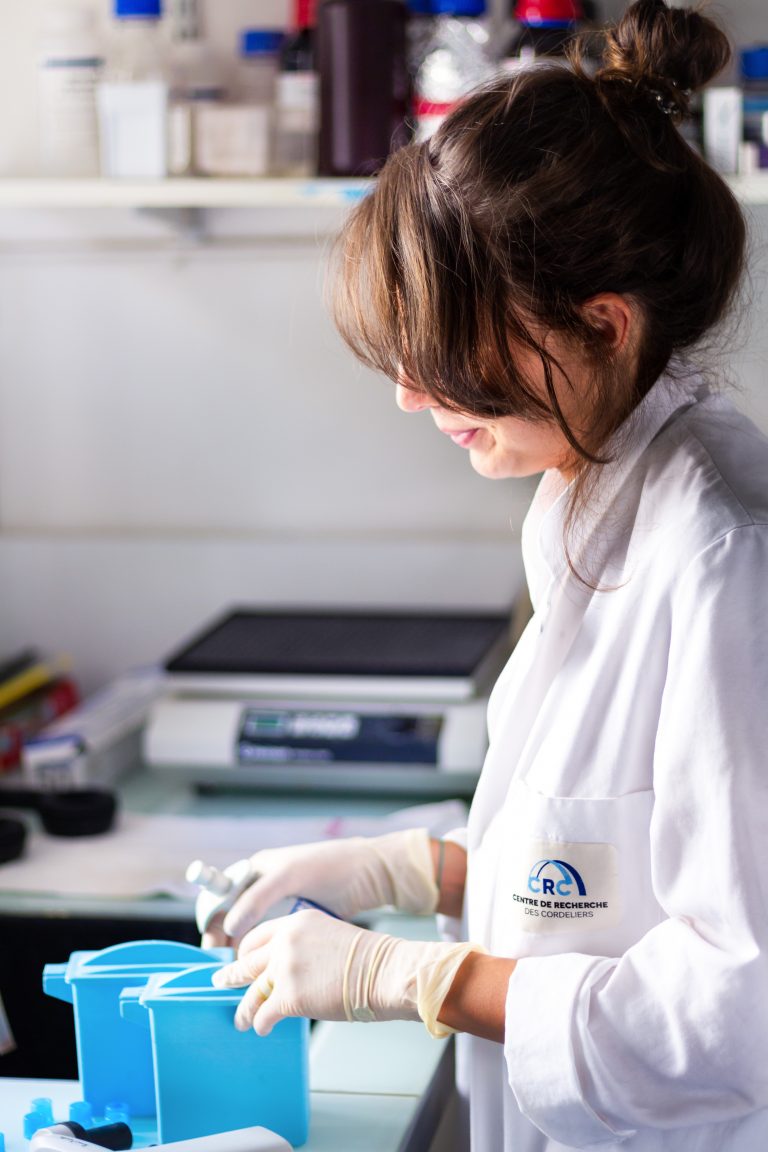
pixel 544 551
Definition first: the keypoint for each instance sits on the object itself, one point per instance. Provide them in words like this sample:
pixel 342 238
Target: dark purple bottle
pixel 364 90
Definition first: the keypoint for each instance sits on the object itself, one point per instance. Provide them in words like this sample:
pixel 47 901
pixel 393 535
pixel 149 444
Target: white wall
pixel 180 427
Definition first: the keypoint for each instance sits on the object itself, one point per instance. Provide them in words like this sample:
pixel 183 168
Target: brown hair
pixel 539 192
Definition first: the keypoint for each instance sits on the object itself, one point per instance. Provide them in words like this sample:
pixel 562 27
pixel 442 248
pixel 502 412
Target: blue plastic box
pixel 114 1057
pixel 210 1078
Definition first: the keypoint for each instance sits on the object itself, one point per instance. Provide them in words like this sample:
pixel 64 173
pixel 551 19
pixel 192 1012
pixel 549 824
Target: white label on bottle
pixel 68 121
pixel 298 123
pixel 427 125
pixel 179 139
pixel 233 139
pixel 299 92
pixel 723 127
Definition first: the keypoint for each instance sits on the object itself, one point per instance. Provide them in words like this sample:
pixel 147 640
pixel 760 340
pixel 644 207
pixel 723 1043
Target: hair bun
pixel 663 53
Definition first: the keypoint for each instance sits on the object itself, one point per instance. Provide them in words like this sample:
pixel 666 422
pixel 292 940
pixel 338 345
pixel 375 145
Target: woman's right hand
pixel 345 876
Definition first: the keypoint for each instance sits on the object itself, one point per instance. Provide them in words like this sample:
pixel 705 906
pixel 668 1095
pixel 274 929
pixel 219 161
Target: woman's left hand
pixel 310 964
pixel 295 967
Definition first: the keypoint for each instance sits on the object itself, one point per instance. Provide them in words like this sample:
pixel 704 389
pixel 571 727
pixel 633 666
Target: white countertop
pixel 371 1086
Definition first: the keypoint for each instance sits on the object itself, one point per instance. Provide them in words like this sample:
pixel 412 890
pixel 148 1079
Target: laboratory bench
pixel 373 1086
pixel 163 793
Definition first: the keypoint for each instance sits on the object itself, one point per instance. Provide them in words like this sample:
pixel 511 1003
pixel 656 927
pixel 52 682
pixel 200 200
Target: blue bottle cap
pixel 458 7
pixel 261 42
pixel 81 1112
pixel 754 62
pixel 139 9
pixel 32 1122
pixel 39 1116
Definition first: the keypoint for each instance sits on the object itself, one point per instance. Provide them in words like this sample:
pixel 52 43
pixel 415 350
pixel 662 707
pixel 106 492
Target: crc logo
pixel 555 878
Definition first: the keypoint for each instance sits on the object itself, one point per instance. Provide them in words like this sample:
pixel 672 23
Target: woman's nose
pixel 409 398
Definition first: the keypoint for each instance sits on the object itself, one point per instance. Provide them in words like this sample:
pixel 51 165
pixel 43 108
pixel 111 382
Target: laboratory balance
pixel 352 701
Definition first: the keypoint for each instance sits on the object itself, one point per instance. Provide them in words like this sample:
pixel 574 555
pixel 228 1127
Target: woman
pixel 537 277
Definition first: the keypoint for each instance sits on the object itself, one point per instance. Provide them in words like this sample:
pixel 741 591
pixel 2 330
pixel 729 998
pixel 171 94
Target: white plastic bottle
pixel 133 96
pixel 194 82
pixel 70 67
pixel 455 60
pixel 236 139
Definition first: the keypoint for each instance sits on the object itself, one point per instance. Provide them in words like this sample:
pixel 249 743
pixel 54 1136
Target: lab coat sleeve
pixel 673 1033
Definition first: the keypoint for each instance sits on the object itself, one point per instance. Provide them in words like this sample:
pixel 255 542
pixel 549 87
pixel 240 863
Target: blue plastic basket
pixel 210 1078
pixel 114 1057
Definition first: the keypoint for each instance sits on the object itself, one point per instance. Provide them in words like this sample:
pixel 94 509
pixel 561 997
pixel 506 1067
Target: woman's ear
pixel 614 317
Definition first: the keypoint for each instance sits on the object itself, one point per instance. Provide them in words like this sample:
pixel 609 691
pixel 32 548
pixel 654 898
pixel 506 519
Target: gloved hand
pixel 310 964
pixel 346 876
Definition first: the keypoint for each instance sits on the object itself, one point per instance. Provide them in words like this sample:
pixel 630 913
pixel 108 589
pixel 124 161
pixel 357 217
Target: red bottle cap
pixel 548 11
pixel 306 14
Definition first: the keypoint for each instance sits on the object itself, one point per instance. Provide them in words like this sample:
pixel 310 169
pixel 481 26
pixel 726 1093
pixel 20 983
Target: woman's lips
pixel 463 437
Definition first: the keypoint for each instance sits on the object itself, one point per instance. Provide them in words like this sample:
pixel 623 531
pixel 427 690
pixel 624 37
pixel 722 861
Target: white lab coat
pixel 618 839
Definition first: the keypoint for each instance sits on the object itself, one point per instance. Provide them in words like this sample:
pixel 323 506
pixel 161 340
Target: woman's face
pixel 510 446
pixel 498 449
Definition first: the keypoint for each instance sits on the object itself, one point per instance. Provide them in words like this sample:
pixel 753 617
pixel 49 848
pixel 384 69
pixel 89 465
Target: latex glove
pixel 310 964
pixel 346 876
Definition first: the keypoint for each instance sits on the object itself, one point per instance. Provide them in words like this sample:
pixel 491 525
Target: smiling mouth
pixel 462 437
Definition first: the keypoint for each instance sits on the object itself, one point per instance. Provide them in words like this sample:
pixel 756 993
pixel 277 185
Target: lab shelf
pixel 180 193
pixel 39 192
pixel 751 189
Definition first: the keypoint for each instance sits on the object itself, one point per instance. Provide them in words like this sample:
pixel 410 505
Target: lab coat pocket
pixel 572 874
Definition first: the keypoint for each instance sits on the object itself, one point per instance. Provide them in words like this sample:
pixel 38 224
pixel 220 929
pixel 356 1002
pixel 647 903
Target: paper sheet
pixel 147 855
